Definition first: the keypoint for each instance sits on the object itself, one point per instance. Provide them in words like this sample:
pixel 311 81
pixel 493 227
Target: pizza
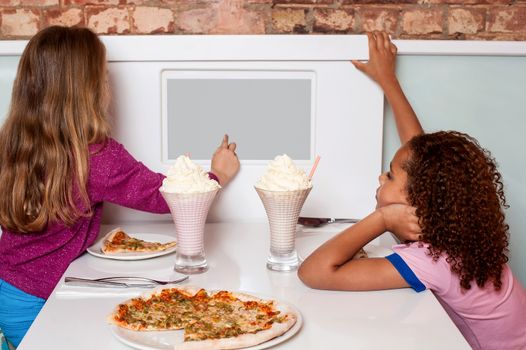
pixel 118 241
pixel 210 320
pixel 360 254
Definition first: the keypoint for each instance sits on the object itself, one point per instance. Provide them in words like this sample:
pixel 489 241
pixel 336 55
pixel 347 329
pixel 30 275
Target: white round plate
pixel 166 340
pixel 95 249
pixel 375 251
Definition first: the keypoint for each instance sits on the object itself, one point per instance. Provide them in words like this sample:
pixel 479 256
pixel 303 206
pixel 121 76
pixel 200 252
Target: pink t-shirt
pixel 488 319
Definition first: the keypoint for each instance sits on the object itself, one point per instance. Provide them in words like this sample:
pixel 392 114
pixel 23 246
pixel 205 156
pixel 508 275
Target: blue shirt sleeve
pixel 406 272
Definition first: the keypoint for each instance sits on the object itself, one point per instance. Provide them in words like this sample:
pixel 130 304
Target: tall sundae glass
pixel 189 193
pixel 283 189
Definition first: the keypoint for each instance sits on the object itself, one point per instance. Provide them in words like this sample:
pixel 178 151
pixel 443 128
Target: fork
pixel 120 281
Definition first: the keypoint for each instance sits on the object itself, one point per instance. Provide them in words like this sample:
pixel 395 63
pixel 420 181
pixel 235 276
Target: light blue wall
pixel 8 65
pixel 484 97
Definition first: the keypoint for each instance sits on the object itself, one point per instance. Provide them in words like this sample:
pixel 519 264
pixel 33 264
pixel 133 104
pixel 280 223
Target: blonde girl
pixel 58 164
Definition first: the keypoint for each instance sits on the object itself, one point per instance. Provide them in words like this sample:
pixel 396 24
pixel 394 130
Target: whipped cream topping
pixel 187 177
pixel 283 175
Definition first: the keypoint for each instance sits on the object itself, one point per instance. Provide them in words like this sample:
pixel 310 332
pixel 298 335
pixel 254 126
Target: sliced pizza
pixel 360 254
pixel 215 320
pixel 118 241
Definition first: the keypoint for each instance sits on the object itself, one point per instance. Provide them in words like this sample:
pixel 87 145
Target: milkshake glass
pixel 189 212
pixel 189 193
pixel 283 189
pixel 283 209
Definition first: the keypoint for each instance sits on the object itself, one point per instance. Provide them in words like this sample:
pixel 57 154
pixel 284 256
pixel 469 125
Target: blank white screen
pixel 265 117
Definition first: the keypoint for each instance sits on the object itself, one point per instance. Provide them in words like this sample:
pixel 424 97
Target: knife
pixel 85 282
pixel 121 282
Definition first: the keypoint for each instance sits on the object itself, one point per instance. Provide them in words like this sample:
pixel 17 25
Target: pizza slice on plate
pixel 118 241
pixel 210 320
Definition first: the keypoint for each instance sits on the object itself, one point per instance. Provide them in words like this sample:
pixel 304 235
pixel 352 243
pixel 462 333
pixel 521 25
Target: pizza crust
pixel 109 236
pixel 240 341
pixel 108 247
pixel 361 254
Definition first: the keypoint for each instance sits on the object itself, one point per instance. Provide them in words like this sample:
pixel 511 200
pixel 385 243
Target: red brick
pixel 378 18
pixel 379 2
pixel 507 19
pixel 64 17
pixel 304 2
pixel 112 20
pixel 288 20
pixel 196 21
pixel 147 20
pixel 259 1
pixel 436 36
pixel 466 20
pixel 157 3
pixel 221 18
pixel 36 3
pixel 19 22
pixel 466 2
pixel 333 21
pixel 233 18
pixel 142 3
pixel 422 21
pixel 94 2
pixel 498 36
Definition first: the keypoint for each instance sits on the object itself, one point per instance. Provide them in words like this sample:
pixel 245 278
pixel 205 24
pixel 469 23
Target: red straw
pixel 314 166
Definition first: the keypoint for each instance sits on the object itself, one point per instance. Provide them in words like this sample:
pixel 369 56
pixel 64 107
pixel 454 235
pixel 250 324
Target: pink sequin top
pixel 35 262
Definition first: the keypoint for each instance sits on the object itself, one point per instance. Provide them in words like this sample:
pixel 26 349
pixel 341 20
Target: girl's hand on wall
pixel 401 220
pixel 382 59
pixel 225 163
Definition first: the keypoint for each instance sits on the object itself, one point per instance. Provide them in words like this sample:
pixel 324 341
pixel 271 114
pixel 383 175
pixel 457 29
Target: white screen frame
pixel 174 74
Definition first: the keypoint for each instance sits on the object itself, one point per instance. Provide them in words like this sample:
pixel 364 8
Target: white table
pixel 236 253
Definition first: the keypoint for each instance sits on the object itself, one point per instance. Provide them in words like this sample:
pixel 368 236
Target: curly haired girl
pixel 443 196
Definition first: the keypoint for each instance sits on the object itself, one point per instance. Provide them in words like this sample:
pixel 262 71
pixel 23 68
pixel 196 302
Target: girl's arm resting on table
pixel 331 266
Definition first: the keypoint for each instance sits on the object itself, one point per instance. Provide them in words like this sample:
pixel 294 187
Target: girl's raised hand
pixel 381 68
pixel 225 163
pixel 401 220
pixel 382 59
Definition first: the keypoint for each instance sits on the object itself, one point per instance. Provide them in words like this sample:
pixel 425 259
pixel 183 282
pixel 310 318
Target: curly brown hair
pixel 459 198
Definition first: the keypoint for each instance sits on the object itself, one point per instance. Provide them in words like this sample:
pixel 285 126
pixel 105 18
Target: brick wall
pixel 429 19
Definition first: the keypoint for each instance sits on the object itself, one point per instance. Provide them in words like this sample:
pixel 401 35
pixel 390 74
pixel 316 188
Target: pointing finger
pixel 224 143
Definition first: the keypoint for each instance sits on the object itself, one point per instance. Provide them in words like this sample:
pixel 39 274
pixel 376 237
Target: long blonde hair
pixel 58 107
